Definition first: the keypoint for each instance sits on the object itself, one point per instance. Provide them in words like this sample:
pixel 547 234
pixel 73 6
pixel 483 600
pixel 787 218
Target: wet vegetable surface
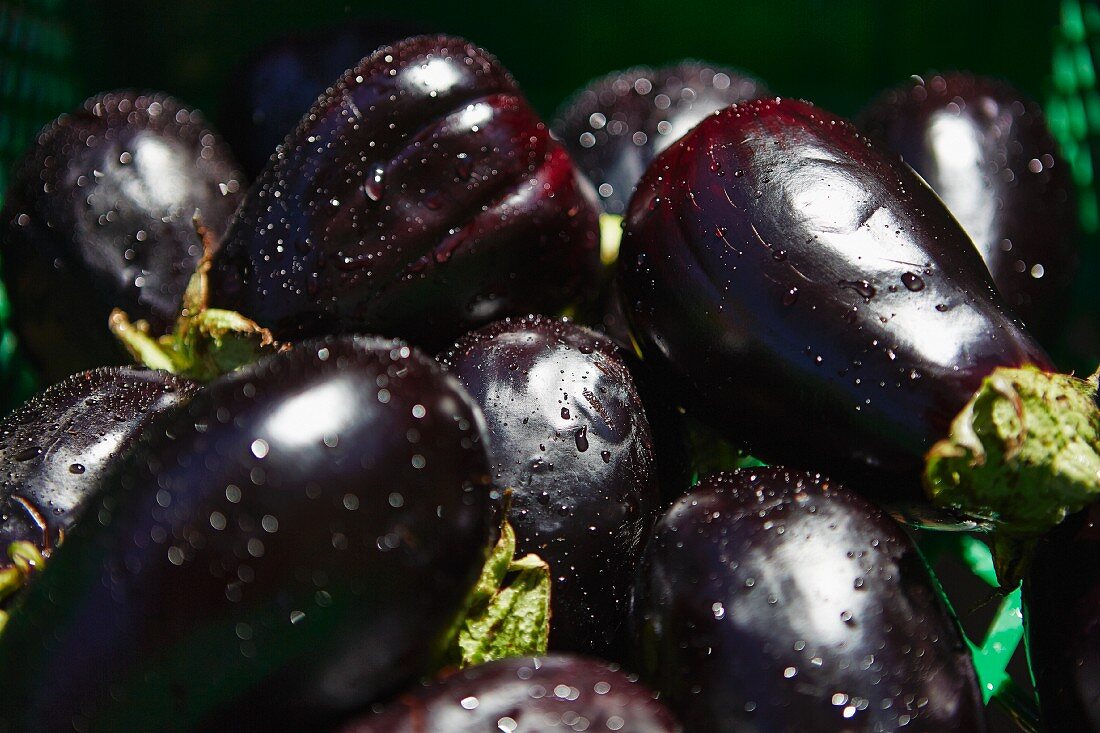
pixel 268 94
pixel 617 124
pixel 420 197
pixel 810 294
pixel 99 215
pixel 1061 593
pixel 525 695
pixel 776 601
pixel 986 150
pixel 292 546
pixel 57 448
pixel 569 436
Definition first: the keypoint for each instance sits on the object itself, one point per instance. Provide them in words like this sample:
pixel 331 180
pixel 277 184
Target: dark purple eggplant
pixel 287 549
pixel 1061 608
pixel 420 197
pixel 267 94
pixel 811 295
pixel 985 149
pixel 770 600
pixel 569 437
pixel 56 449
pixel 525 695
pixel 100 215
pixel 617 124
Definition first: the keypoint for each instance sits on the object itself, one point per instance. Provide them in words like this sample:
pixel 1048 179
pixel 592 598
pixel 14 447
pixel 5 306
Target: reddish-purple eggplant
pixel 811 295
pixel 268 94
pixel 777 601
pixel 420 197
pixel 56 449
pixel 285 550
pixel 525 695
pixel 617 124
pixel 1061 609
pixel 569 437
pixel 986 150
pixel 100 215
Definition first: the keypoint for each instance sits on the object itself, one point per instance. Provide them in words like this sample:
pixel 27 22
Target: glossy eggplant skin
pixel 420 197
pixel 286 550
pixel 616 126
pixel 1061 597
pixel 985 149
pixel 56 449
pixel 811 295
pixel 570 438
pixel 99 215
pixel 771 600
pixel 525 695
pixel 267 94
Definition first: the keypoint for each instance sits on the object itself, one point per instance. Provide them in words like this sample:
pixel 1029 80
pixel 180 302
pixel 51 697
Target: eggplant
pixel 99 215
pixel 1060 616
pixel 617 124
pixel 985 149
pixel 525 695
pixel 420 197
pixel 809 294
pixel 58 448
pixel 570 438
pixel 270 91
pixel 290 547
pixel 775 600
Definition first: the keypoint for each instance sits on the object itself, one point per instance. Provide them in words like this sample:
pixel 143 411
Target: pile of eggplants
pixel 344 533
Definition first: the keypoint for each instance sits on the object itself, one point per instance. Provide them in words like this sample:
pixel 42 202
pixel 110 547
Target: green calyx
pixel 507 614
pixel 1021 455
pixel 25 560
pixel 207 342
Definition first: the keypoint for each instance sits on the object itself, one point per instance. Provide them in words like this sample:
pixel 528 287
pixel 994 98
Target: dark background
pixel 837 53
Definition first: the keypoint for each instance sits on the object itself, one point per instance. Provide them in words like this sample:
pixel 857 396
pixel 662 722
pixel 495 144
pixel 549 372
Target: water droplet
pixel 374 188
pixel 76 468
pixel 28 453
pixel 606 456
pixel 565 414
pixel 912 281
pixel 790 296
pixel 581 438
pixel 863 287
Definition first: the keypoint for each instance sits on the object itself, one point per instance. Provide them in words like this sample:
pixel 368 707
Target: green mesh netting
pixel 1073 109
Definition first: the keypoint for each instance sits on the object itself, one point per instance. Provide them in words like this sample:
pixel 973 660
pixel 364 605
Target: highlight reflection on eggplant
pixel 811 295
pixel 985 149
pixel 99 215
pixel 291 546
pixel 617 124
pixel 420 197
pixel 570 438
pixel 57 448
pixel 774 600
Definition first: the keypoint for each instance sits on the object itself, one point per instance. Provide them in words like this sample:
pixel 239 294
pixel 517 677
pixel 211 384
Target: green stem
pixel 206 342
